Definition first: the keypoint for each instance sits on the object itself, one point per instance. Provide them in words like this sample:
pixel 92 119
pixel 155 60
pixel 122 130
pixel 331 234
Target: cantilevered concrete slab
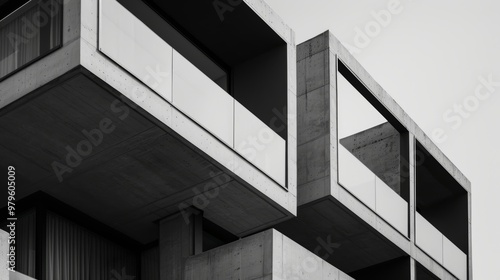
pixel 154 162
pixel 83 145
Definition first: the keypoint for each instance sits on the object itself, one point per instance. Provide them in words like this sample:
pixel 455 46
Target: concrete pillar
pixel 180 236
pixel 413 269
pixel 412 202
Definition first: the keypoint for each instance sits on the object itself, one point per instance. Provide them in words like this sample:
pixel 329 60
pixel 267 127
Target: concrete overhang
pixel 151 161
pixel 326 208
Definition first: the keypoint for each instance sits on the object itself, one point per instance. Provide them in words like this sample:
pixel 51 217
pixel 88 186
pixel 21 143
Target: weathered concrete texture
pixel 180 237
pixel 146 99
pixel 267 255
pixel 50 67
pixel 378 148
pixel 314 149
pixel 80 52
pixel 317 146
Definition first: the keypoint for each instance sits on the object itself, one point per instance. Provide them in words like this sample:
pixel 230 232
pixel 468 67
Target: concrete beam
pixel 181 236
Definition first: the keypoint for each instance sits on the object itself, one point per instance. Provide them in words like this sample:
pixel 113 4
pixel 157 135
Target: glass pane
pixel 429 239
pixel 454 259
pixel 135 47
pixel 202 99
pixel 259 144
pixel 29 33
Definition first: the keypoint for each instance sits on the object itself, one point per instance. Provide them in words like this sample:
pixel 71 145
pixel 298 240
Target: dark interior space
pixel 424 274
pixel 215 236
pixel 337 235
pixel 41 216
pixel 441 200
pixel 396 269
pixel 9 6
pixel 240 52
pixel 21 41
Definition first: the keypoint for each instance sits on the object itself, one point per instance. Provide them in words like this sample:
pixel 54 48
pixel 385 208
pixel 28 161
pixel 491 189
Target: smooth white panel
pixel 454 259
pixel 132 45
pixel 429 239
pixel 356 177
pixel 391 207
pixel 259 144
pixel 202 99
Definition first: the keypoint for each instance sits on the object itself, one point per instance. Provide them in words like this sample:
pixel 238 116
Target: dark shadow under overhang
pixel 339 236
pixel 229 30
pixel 117 163
pixel 441 199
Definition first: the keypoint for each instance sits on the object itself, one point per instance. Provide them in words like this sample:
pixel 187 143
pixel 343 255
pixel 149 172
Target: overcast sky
pixel 440 60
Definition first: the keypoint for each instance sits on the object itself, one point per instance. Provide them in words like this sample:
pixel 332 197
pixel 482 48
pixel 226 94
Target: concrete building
pixel 177 140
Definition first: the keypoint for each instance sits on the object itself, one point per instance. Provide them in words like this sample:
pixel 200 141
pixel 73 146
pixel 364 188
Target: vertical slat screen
pixel 74 252
pixel 150 264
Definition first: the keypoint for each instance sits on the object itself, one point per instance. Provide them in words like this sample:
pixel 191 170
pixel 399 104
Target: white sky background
pixel 428 58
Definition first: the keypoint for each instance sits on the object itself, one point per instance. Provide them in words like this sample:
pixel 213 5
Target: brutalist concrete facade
pixel 326 203
pixel 189 151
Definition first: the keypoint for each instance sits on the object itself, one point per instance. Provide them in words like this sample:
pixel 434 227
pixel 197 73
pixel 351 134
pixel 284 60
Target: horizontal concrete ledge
pixel 266 255
pixel 426 261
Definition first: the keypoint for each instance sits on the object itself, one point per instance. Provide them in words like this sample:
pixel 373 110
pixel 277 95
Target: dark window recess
pixel 424 274
pixel 9 6
pixel 215 236
pixel 236 49
pixel 441 200
pixel 28 31
pixel 397 269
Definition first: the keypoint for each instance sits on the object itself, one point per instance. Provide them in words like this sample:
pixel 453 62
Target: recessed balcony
pixel 442 214
pixel 128 127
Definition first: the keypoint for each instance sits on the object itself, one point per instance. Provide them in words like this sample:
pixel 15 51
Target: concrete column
pixel 412 184
pixel 180 237
pixel 413 269
pixel 412 202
